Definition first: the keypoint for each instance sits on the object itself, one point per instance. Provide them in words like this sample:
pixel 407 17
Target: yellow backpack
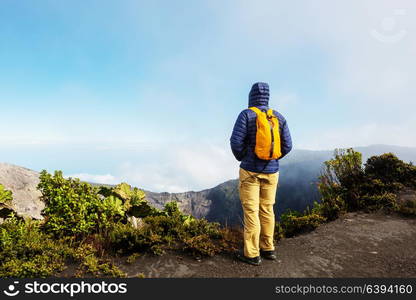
pixel 267 135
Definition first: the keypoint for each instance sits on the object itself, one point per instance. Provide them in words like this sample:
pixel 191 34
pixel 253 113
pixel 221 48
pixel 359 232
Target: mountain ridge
pixel 297 187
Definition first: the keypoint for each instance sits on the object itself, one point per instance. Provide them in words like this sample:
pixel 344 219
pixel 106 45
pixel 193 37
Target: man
pixel 258 178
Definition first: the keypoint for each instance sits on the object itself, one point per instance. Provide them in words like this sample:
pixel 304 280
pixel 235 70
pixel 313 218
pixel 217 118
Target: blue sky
pixel 148 92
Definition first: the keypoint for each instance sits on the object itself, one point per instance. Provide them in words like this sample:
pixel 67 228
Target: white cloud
pixel 363 135
pixel 105 179
pixel 27 140
pixel 181 168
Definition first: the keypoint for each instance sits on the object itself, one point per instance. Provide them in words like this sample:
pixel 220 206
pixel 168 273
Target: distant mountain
pixel 220 203
pixel 297 190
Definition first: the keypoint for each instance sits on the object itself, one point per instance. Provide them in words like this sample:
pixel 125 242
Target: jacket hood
pixel 259 95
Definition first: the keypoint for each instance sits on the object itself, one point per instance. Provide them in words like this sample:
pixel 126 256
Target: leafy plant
pixel 339 183
pixel 25 251
pixel 6 196
pixel 71 205
pixel 170 229
pixel 74 208
pixel 201 245
pixel 132 258
pixel 134 201
pixel 346 186
pixel 90 264
pixel 293 222
pixel 391 171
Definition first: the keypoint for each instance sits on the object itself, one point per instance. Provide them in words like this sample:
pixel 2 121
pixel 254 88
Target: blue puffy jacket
pixel 243 138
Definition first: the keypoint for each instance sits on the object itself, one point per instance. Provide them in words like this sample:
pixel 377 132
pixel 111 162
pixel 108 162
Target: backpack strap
pixel 255 109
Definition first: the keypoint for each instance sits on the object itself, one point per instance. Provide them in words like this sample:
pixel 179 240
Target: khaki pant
pixel 257 195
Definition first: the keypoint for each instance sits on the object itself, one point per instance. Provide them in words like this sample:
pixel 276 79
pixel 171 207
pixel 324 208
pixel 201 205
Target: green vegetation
pixel 337 183
pixel 6 196
pixel 347 185
pixel 170 229
pixel 75 208
pixel 86 226
pixel 27 251
pixel 293 223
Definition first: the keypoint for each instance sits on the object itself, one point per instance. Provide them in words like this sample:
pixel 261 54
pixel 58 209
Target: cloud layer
pixel 176 169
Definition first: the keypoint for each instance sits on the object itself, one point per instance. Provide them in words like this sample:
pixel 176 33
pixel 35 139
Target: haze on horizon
pixel 148 92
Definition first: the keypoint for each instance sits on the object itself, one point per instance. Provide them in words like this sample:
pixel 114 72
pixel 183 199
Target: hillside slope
pixel 23 182
pixel 356 245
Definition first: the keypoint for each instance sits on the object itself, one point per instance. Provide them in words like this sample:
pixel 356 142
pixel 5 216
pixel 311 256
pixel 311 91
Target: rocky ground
pixel 356 245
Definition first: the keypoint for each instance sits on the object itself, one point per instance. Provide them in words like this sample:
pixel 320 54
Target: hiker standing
pixel 259 139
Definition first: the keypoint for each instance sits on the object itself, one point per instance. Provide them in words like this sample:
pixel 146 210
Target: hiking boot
pixel 268 254
pixel 255 261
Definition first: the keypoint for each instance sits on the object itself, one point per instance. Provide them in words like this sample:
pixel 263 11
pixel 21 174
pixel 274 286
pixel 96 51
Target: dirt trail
pixel 356 245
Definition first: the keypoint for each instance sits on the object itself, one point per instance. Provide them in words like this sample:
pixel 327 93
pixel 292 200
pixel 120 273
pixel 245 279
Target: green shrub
pixel 332 202
pixel 125 239
pixel 25 251
pixel 346 186
pixel 6 196
pixel 168 229
pixel 132 258
pixel 293 222
pixel 92 265
pixel 383 201
pixel 134 201
pixel 339 183
pixel 201 245
pixel 197 227
pixel 71 205
pixel 391 171
pixel 278 232
pixel 74 208
pixel 84 224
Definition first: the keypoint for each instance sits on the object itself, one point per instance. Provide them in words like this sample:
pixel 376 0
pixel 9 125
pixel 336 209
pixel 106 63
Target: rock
pixel 23 183
pixel 194 203
pixel 135 222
